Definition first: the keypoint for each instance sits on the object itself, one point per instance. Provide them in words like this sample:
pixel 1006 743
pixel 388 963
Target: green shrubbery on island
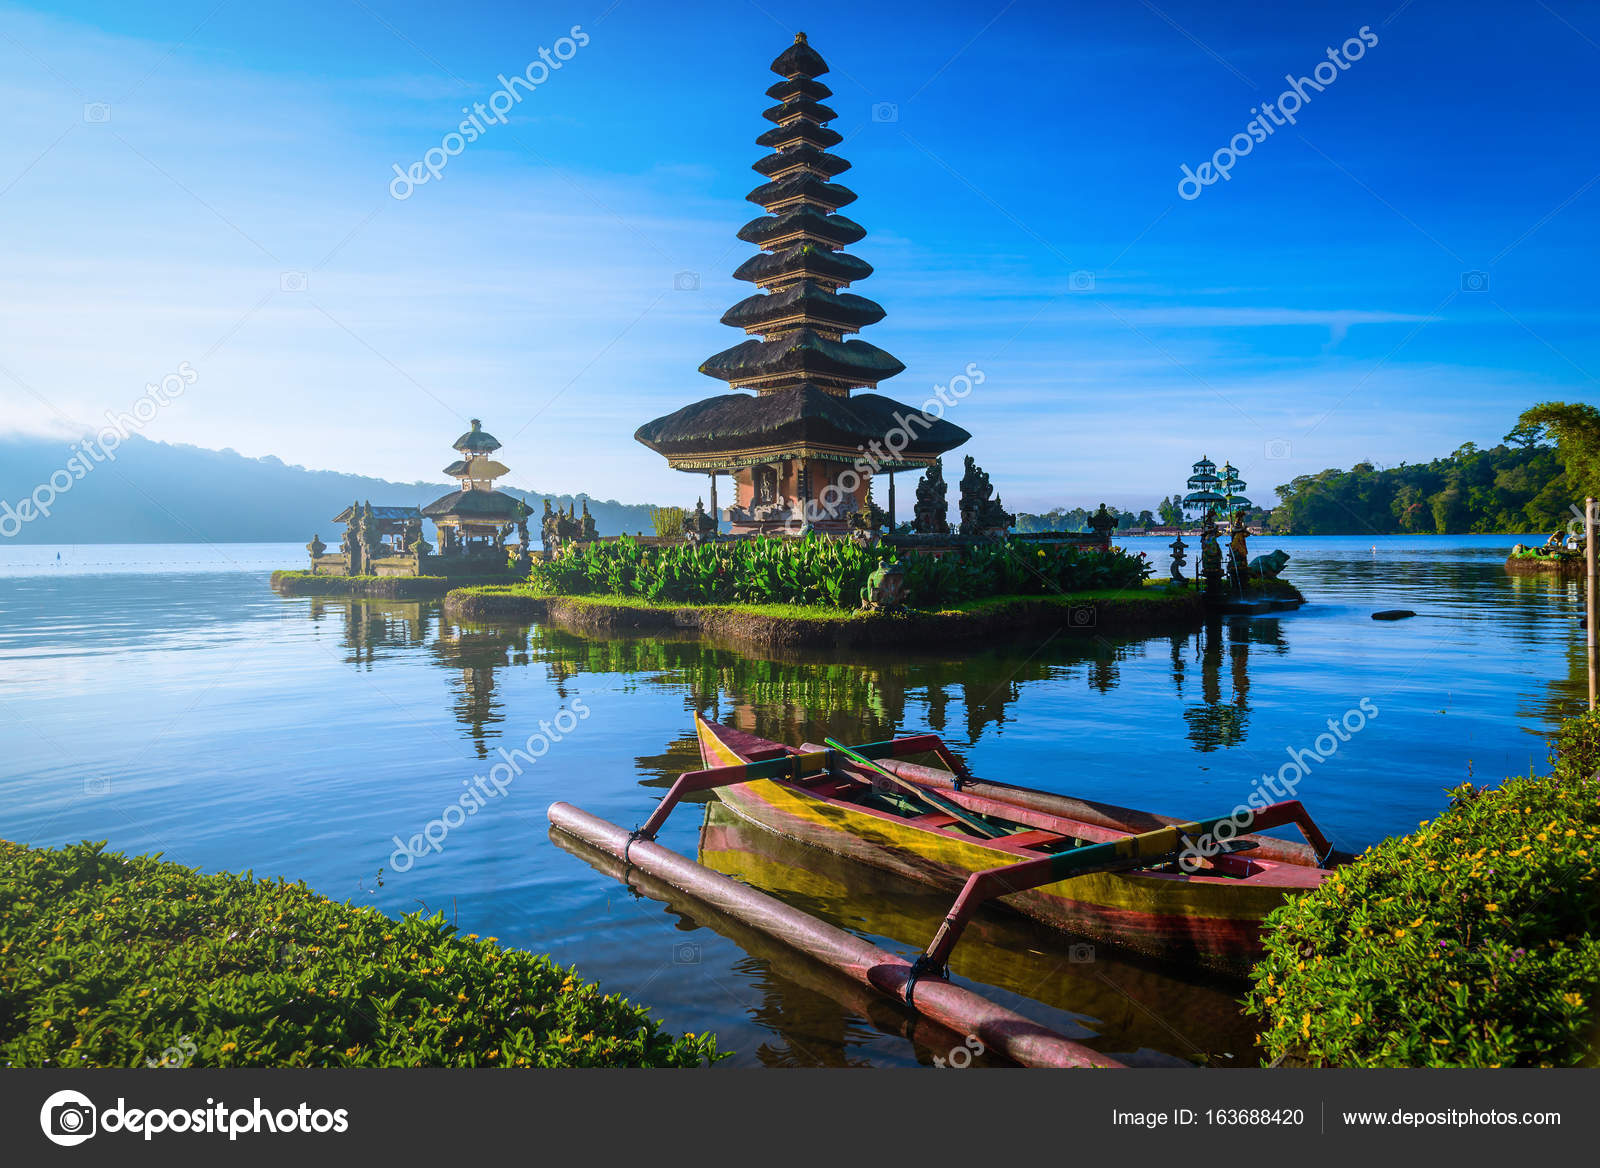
pixel 1471 942
pixel 824 572
pixel 110 961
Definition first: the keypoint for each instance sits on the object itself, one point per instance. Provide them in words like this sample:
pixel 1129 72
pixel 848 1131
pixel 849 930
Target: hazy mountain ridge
pixel 156 492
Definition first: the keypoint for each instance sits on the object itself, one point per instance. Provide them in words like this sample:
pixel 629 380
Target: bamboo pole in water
pixel 953 1007
pixel 1591 580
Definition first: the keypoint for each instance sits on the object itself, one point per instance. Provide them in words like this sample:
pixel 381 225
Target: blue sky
pixel 1308 312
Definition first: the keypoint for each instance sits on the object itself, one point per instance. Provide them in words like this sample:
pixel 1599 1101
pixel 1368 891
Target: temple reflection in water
pixel 790 697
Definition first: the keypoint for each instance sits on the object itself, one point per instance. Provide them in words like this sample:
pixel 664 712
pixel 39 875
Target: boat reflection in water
pixel 1116 1004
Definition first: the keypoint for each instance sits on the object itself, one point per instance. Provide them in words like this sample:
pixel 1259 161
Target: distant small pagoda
pixel 475 517
pixel 804 426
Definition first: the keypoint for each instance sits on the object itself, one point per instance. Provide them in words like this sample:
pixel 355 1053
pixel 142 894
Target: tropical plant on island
pixel 831 573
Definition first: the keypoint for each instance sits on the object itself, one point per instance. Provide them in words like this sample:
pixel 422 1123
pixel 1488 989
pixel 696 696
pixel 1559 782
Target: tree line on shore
pixel 1530 481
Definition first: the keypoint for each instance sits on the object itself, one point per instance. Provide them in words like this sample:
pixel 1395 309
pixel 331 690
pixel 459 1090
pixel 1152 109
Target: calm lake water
pixel 164 699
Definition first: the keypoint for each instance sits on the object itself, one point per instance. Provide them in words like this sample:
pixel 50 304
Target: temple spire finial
pixel 799 38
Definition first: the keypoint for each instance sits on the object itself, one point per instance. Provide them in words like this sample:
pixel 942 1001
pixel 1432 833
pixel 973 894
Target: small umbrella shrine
pixel 1215 494
pixel 806 426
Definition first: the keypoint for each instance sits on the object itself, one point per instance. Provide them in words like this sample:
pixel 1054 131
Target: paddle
pixel 988 831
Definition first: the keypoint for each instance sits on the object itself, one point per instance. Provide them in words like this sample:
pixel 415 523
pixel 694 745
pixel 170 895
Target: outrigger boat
pixel 1170 888
pixel 1106 873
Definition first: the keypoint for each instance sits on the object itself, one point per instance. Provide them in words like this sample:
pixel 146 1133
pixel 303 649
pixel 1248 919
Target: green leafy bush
pixel 1470 942
pixel 112 961
pixel 826 572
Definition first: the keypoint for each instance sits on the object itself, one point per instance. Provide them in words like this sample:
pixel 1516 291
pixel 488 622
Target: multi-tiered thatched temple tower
pixel 804 425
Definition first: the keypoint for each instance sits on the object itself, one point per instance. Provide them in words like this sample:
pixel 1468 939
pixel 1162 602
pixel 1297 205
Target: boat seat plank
pixel 1027 840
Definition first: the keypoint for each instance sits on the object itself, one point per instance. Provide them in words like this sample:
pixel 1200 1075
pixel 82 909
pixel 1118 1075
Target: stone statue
pixel 568 526
pixel 1210 549
pixel 1267 567
pixel 588 531
pixel 369 538
pixel 981 514
pixel 867 520
pixel 1103 523
pixel 1178 560
pixel 933 506
pixel 1238 555
pixel 350 545
pixel 547 531
pixel 886 587
pixel 699 525
pixel 316 547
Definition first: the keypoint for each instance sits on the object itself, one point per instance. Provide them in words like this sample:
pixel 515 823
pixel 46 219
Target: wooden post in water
pixel 1591 586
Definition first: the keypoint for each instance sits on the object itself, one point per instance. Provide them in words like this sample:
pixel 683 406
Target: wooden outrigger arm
pixel 794 765
pixel 1148 850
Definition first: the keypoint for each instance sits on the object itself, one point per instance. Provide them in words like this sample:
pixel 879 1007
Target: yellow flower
pixel 229 1047
pixel 1573 999
pixel 1491 907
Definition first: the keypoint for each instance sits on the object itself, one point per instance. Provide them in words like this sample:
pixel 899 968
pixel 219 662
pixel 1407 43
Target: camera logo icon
pixel 96 112
pixel 1277 448
pixel 686 282
pixel 1081 616
pixel 1080 282
pixel 97 785
pixel 885 112
pixel 68 1118
pixel 1080 954
pixel 1474 281
pixel 686 953
pixel 292 282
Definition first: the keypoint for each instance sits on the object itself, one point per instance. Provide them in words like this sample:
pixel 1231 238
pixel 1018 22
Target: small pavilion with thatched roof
pixel 476 517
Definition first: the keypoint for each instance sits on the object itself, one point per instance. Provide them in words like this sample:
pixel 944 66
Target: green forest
pixel 1535 480
pixel 1528 483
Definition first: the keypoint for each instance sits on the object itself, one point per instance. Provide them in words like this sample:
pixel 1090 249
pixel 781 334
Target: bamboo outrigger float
pixel 1170 888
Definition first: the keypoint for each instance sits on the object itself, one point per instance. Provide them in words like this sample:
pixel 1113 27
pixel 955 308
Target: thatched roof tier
pixel 485 506
pixel 792 87
pixel 802 187
pixel 806 353
pixel 802 223
pixel 800 107
pixel 803 261
pixel 807 417
pixel 818 162
pixel 797 131
pixel 803 303
pixel 477 440
pixel 799 60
